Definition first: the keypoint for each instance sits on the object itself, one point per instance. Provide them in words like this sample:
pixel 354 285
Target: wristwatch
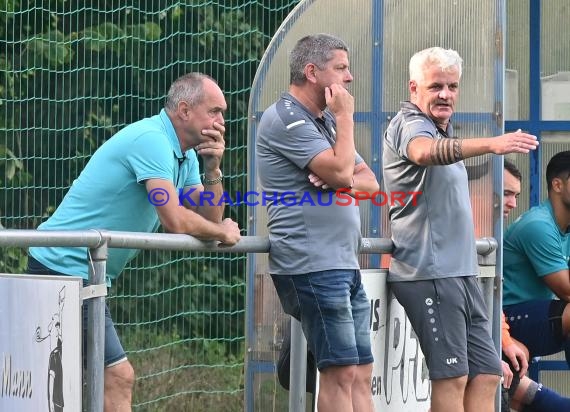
pixel 211 182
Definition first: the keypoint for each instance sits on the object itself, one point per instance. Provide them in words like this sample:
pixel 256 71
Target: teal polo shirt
pixel 110 192
pixel 533 247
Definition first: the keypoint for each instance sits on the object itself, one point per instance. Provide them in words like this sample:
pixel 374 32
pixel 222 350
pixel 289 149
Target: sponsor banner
pixel 400 379
pixel 40 343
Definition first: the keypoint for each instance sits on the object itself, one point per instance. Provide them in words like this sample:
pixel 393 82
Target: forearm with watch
pixel 211 207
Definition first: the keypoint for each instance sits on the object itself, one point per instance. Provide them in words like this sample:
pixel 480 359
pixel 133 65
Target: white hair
pixel 445 59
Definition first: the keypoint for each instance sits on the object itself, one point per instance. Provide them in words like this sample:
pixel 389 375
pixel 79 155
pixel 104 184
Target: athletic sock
pixel 546 400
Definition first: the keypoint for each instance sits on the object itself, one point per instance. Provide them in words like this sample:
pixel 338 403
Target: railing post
pixel 97 261
pixel 297 368
pixel 491 288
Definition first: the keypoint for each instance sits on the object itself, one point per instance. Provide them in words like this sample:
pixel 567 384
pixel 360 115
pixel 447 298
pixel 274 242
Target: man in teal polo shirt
pixel 132 183
pixel 536 252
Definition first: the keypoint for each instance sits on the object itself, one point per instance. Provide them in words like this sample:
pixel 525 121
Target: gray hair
pixel 445 59
pixel 316 49
pixel 188 88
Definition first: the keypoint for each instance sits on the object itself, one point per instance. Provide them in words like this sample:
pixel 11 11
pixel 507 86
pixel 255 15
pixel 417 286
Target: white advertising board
pixel 399 376
pixel 40 343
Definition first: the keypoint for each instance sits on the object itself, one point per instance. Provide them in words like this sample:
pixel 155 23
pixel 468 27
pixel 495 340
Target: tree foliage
pixel 73 73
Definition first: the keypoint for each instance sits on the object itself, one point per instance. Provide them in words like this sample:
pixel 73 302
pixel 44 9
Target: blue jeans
pixel 334 312
pixel 114 352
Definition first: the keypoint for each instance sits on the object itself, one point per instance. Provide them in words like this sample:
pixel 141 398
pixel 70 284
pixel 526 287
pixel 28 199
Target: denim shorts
pixel 334 313
pixel 114 352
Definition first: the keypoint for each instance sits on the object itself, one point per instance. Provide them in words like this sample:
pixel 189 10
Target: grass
pixel 184 375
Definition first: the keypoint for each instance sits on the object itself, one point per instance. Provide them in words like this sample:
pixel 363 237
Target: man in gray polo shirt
pixel 434 263
pixel 305 152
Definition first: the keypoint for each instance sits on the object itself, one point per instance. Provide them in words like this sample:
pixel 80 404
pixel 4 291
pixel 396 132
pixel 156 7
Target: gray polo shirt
pixel 308 230
pixel 435 238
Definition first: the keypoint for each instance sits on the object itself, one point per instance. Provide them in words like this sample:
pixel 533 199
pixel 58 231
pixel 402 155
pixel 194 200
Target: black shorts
pixel 450 320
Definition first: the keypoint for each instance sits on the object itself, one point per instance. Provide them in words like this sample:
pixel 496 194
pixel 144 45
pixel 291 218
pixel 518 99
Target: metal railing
pixel 99 241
